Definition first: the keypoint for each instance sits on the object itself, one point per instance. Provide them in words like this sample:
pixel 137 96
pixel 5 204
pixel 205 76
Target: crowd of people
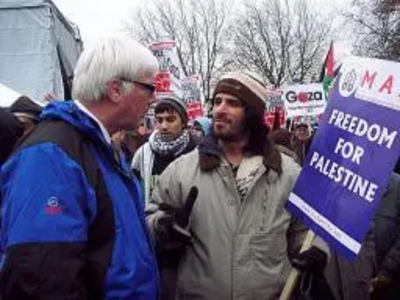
pixel 93 208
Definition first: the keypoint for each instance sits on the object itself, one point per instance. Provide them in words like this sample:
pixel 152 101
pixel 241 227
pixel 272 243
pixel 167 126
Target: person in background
pixel 201 127
pixel 27 112
pixel 15 121
pixel 170 140
pixel 376 272
pixel 10 131
pixel 301 140
pixel 222 205
pixel 73 223
pixel 283 141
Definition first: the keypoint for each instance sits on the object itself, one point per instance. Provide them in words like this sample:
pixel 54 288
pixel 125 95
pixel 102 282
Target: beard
pixel 228 131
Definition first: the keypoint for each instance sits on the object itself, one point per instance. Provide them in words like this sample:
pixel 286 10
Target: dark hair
pixel 257 129
pixel 164 107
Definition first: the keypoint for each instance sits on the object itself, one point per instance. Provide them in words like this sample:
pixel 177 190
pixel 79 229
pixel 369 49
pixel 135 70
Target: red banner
pixel 269 117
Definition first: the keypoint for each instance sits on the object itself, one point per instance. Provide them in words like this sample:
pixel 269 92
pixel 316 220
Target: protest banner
pixel 269 117
pixel 274 98
pixel 192 96
pixel 274 107
pixel 304 100
pixel 356 147
pixel 168 80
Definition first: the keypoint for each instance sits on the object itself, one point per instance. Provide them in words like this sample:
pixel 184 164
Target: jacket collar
pixel 210 155
pixel 69 112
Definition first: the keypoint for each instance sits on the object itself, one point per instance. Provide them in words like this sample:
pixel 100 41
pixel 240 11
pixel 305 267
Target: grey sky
pixel 97 18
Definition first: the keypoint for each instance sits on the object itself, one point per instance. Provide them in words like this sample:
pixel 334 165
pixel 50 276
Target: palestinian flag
pixel 327 72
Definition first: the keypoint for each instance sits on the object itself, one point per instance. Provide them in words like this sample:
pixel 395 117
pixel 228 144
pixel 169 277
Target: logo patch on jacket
pixel 53 206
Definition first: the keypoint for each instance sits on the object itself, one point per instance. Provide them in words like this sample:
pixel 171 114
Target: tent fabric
pixel 21 3
pixel 38 47
pixel 7 96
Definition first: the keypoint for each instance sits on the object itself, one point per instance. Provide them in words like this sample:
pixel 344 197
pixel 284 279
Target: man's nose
pixel 221 107
pixel 164 125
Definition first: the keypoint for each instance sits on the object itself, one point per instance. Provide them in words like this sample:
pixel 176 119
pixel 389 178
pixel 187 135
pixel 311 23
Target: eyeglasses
pixel 151 88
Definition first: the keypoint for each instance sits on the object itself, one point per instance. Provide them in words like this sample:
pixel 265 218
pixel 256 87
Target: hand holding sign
pixel 352 155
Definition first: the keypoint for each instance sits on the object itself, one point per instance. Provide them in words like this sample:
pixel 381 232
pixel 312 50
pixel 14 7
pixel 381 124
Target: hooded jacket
pixel 73 224
pixel 241 247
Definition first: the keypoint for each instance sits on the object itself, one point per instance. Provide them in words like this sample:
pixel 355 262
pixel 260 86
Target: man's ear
pixel 184 126
pixel 114 90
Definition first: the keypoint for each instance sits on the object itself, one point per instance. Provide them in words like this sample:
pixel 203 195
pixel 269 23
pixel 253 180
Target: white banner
pixel 304 100
pixel 274 99
pixel 372 80
pixel 169 80
pixel 193 96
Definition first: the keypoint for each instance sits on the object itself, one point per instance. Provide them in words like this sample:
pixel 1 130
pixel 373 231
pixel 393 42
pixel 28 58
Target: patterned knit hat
pixel 244 86
pixel 176 103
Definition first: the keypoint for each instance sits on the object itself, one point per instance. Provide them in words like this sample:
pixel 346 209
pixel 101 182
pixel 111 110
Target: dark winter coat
pixel 380 253
pixel 10 131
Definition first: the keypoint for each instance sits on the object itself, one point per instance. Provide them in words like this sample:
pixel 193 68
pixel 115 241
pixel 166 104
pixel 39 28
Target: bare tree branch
pixel 197 26
pixel 377 25
pixel 284 41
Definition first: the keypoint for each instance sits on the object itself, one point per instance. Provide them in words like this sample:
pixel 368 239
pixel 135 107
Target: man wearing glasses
pixel 73 224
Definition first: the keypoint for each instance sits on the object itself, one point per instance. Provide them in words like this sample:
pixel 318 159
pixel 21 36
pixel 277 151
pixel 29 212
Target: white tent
pixel 7 96
pixel 39 48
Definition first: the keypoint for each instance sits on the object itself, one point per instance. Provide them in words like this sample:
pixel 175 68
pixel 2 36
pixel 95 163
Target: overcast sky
pixel 97 18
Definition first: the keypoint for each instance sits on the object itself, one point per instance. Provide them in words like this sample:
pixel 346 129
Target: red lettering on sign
pixel 269 117
pixel 368 79
pixel 387 85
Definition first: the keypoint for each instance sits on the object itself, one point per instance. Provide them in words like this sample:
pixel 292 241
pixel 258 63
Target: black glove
pixel 312 260
pixel 380 286
pixel 171 228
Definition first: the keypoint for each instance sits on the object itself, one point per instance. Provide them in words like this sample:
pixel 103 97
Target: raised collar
pixel 210 155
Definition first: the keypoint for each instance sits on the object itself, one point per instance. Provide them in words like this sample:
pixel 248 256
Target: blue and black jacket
pixel 73 225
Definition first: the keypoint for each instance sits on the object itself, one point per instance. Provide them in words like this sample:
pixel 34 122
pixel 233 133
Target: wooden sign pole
pixel 294 274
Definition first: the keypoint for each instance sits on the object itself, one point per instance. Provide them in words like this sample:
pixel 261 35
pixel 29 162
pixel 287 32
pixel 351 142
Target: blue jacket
pixel 73 225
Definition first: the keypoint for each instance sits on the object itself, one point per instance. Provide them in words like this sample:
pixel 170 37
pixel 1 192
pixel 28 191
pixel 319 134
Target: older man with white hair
pixel 73 225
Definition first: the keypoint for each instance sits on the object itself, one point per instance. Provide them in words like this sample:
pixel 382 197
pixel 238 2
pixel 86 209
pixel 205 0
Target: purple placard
pixel 350 160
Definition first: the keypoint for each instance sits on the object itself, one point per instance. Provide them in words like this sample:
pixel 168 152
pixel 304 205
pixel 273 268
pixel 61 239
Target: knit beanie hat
pixel 25 107
pixel 205 124
pixel 244 86
pixel 177 104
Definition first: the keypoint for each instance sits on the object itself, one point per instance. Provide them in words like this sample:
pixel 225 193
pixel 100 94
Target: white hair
pixel 109 59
